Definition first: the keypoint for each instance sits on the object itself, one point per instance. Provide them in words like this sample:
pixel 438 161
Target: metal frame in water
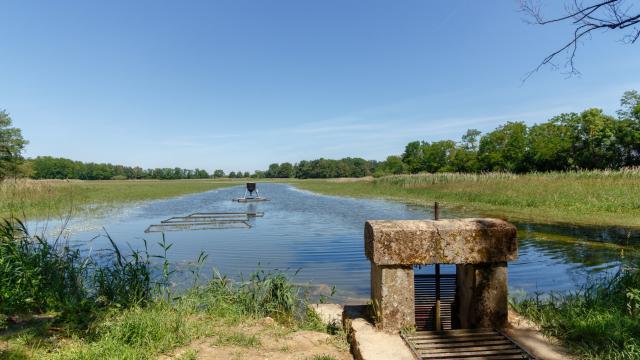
pixel 205 221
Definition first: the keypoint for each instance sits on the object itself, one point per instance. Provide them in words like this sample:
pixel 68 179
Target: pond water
pixel 322 236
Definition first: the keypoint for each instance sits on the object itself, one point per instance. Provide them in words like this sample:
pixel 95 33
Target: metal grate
pixel 465 344
pixel 425 298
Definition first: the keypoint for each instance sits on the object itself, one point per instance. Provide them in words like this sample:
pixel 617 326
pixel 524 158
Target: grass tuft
pixel 237 339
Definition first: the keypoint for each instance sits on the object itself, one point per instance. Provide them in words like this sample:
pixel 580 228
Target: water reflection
pixel 323 236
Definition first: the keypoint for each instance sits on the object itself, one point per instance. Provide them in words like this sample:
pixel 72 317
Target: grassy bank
pixel 52 198
pixel 602 321
pixel 584 197
pixel 56 303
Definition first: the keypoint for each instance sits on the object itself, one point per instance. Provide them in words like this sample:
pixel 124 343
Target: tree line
pixel 47 167
pixel 587 140
pixel 322 168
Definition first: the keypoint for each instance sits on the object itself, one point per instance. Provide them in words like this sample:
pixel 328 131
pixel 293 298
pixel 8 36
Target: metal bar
pixel 530 355
pixel 438 324
pixel 198 214
pixel 414 351
pixel 189 219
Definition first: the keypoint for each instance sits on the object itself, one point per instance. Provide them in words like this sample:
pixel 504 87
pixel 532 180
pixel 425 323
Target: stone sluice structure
pixel 479 248
pixel 477 326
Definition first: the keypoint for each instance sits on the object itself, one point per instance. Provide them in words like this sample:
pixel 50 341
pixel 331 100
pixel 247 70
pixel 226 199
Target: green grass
pixel 323 357
pixel 600 322
pixel 238 339
pixel 581 198
pixel 189 355
pixel 53 198
pixel 145 332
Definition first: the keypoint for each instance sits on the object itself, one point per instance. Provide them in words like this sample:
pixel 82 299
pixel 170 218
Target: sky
pixel 237 85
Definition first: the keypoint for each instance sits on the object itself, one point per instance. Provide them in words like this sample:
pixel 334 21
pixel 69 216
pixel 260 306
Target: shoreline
pixel 571 199
pixel 590 199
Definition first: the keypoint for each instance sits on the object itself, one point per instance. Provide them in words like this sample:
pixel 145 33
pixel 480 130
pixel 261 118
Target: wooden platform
pixel 466 344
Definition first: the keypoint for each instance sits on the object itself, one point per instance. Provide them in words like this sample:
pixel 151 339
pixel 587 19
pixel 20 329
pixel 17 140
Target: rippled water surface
pixel 323 236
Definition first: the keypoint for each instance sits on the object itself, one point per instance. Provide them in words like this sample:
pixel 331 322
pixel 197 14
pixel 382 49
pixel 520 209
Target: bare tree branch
pixel 601 15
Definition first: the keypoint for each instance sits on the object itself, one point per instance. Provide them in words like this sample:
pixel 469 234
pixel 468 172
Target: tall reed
pixel 39 275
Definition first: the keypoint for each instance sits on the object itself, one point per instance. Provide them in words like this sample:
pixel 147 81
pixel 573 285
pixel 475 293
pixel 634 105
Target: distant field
pixel 583 197
pixel 53 198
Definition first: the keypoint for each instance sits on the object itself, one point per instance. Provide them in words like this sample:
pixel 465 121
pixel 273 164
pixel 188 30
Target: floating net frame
pixel 211 225
pixel 205 221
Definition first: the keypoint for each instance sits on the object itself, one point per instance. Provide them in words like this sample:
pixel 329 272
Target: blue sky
pixel 240 84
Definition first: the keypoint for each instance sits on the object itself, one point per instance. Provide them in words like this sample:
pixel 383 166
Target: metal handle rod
pixel 438 322
pixel 437 317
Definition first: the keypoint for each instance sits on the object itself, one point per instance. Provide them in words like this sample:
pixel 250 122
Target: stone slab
pixel 330 314
pixel 368 343
pixel 451 241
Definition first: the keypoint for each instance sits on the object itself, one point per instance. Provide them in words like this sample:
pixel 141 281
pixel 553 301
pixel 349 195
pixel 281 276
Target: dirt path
pixel 528 335
pixel 265 342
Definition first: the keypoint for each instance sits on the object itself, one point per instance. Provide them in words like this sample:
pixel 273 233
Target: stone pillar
pixel 392 294
pixel 482 295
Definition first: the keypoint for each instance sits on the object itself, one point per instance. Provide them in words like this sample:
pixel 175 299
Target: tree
pixel 356 167
pixel 550 144
pixel 11 146
pixel 232 175
pixel 218 173
pixel 285 170
pixel 392 165
pixel 437 156
pixel 201 174
pixel 273 171
pixel 470 140
pixel 630 106
pixel 627 134
pixel 504 149
pixel 412 156
pixel 585 18
pixel 594 140
pixel 302 169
